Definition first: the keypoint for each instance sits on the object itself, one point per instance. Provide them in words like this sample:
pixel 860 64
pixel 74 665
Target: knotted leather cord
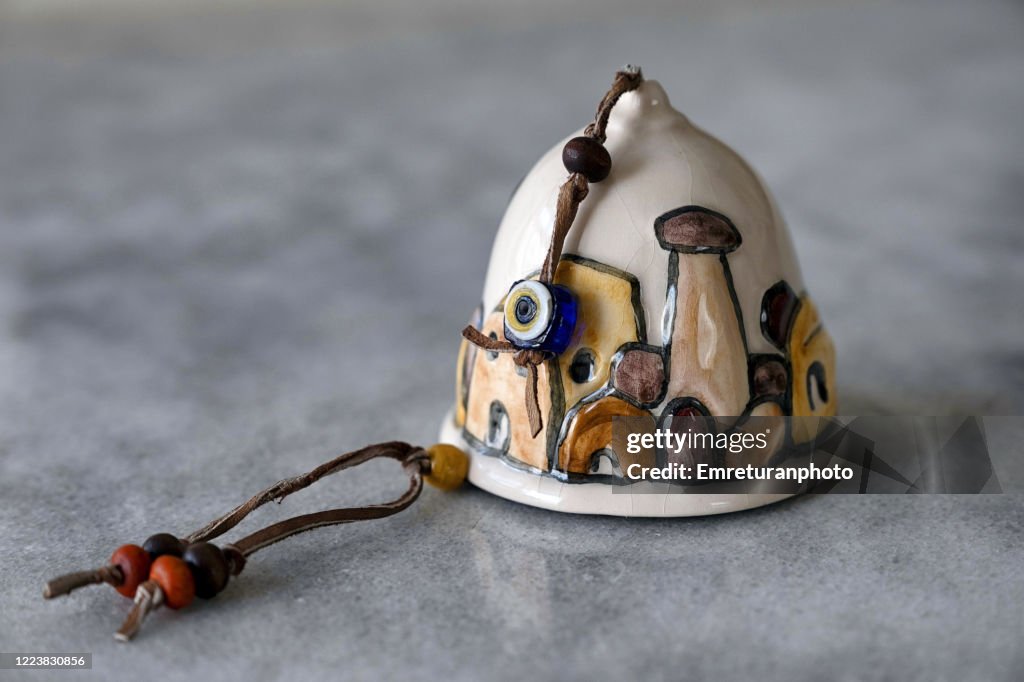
pixel 415 461
pixel 570 196
pixel 149 595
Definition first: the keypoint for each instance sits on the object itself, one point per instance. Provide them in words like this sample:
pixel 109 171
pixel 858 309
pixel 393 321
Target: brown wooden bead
pixel 587 156
pixel 209 568
pixel 175 579
pixel 133 562
pixel 163 543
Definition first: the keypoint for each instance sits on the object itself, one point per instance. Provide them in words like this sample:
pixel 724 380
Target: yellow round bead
pixel 448 466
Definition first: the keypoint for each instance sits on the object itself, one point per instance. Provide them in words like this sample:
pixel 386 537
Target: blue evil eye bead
pixel 539 316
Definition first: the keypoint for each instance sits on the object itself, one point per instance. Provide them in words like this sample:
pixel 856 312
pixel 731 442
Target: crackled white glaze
pixel 660 161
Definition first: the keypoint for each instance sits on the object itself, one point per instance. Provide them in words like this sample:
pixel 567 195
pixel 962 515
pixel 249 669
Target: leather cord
pixel 152 593
pixel 415 461
pixel 525 358
pixel 570 195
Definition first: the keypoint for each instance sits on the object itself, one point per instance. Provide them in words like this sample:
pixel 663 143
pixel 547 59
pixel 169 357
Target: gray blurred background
pixel 237 237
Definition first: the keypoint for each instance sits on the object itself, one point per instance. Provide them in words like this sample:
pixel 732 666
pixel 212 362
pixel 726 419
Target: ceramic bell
pixel 685 298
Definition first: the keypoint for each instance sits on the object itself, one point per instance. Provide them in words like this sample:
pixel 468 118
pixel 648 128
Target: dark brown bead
pixel 209 568
pixel 163 544
pixel 587 156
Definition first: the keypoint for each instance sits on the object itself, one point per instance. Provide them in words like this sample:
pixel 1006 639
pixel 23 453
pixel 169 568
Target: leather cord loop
pixel 415 461
pixel 166 585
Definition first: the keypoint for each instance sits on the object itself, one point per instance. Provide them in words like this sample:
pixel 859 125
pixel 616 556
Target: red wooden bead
pixel 175 579
pixel 134 564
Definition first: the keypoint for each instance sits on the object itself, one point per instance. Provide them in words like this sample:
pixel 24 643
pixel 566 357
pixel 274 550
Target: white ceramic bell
pixel 690 302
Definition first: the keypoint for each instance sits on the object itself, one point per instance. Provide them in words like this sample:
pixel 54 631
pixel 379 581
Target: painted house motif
pixel 701 369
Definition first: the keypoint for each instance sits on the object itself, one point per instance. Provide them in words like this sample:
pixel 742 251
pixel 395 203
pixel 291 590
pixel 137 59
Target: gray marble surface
pixel 234 242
